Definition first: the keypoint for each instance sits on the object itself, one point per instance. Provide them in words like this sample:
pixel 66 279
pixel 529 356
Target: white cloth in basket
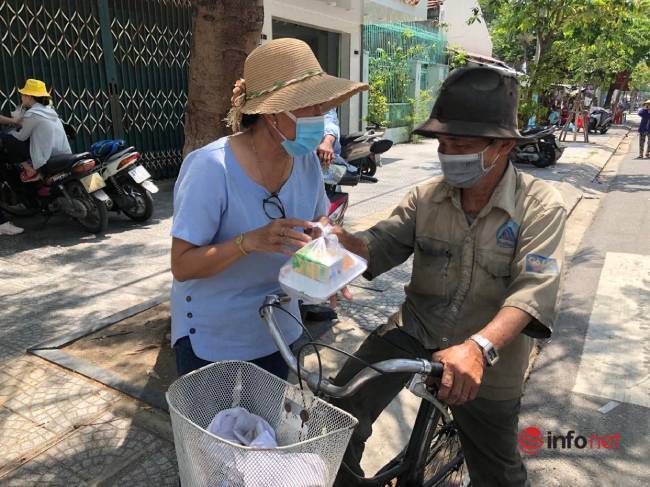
pixel 261 468
pixel 267 468
pixel 244 428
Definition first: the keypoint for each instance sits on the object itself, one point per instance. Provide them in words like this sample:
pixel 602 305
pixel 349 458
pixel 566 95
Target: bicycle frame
pixel 431 410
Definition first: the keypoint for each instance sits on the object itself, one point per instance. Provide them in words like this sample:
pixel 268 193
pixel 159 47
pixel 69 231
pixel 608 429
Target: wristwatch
pixel 489 352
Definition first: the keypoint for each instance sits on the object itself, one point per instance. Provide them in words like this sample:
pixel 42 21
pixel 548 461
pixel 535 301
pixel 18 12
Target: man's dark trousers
pixel 488 428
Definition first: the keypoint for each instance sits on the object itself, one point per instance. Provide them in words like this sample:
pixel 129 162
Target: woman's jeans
pixel 12 150
pixel 187 361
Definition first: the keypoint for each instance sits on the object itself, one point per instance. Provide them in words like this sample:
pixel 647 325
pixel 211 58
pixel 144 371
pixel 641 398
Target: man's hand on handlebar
pixel 463 371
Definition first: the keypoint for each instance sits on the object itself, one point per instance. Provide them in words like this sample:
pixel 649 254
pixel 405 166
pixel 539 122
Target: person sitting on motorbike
pixel 8 228
pixel 40 135
pixel 239 203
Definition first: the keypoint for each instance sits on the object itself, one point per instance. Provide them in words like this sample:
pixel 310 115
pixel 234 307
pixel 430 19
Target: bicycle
pixel 433 456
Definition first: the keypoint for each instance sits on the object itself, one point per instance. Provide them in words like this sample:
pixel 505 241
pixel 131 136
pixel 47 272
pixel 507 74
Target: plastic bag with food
pixel 320 269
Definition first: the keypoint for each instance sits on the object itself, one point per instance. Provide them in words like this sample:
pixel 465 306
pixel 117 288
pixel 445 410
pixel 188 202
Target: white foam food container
pixel 299 286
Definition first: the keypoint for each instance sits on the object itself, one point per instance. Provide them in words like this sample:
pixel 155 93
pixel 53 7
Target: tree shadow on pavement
pixel 62 231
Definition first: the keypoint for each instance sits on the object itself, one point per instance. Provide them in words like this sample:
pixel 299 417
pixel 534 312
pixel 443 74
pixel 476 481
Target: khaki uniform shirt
pixel 511 255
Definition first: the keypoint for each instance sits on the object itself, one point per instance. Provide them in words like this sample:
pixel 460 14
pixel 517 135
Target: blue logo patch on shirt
pixel 507 234
pixel 538 264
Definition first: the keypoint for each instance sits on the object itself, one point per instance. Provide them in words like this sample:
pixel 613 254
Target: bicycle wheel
pixel 444 464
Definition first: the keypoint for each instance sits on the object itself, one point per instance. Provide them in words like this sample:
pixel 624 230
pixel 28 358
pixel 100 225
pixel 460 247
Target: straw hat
pixel 647 102
pixel 284 75
pixel 34 87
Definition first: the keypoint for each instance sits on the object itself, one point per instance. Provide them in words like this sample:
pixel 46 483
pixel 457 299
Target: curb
pixel 52 351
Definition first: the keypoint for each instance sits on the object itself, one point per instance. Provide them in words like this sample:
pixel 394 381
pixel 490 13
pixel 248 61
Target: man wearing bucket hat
pixel 238 205
pixel 644 130
pixel 41 134
pixel 487 242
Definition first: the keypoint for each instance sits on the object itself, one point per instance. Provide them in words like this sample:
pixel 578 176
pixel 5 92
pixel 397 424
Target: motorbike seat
pixel 346 139
pixel 533 130
pixel 63 162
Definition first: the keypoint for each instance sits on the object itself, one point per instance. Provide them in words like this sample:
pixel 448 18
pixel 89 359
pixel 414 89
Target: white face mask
pixel 465 170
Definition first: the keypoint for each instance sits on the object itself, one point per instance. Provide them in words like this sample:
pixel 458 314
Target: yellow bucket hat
pixel 34 87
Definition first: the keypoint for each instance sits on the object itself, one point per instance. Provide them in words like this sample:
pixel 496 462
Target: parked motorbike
pixel 339 200
pixel 364 152
pixel 128 183
pixel 600 120
pixel 355 149
pixel 541 149
pixel 71 184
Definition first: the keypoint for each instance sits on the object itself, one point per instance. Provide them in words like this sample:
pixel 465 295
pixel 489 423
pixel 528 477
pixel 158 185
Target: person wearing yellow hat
pixel 40 135
pixel 239 203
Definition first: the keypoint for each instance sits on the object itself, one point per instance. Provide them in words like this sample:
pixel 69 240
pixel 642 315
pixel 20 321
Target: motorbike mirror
pixel 381 146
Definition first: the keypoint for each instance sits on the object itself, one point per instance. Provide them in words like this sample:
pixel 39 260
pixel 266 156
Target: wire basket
pixel 312 435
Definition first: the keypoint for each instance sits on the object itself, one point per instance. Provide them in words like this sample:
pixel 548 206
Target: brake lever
pixel 418 386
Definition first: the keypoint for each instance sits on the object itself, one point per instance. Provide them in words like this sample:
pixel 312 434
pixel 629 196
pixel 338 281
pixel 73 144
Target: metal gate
pixel 116 68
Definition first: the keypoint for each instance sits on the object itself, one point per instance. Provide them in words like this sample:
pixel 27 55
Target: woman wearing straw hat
pixel 41 133
pixel 241 203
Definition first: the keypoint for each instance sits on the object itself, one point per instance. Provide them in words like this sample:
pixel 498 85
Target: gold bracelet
pixel 240 243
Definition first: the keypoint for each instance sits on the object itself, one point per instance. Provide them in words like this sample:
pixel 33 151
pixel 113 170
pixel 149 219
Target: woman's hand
pixel 278 236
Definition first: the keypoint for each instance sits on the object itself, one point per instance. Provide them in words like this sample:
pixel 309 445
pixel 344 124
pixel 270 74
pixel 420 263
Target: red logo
pixel 531 440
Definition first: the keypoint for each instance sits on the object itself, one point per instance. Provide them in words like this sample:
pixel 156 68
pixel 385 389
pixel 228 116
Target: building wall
pixel 385 11
pixel 344 18
pixel 473 38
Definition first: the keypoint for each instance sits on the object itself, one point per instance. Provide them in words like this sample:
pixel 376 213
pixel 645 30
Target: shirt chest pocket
pixel 433 267
pixel 493 273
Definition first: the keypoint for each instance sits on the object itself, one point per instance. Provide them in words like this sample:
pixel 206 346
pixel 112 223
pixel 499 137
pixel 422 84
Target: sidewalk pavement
pixel 592 377
pixel 63 429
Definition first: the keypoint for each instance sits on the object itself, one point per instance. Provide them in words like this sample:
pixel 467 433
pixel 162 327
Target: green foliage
pixel 568 41
pixel 390 72
pixel 377 104
pixel 419 110
pixel 457 57
pixel 640 79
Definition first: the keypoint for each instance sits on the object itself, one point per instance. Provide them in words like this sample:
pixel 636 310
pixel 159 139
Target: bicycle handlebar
pixel 316 383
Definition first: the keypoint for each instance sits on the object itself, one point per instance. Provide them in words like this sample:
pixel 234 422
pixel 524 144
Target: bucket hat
pixel 34 87
pixel 475 102
pixel 284 75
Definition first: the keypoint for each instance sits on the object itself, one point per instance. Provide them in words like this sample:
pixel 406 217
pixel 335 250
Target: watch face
pixel 492 356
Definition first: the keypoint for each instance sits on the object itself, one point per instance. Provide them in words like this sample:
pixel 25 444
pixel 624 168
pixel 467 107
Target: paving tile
pixel 61 401
pixel 103 446
pixel 8 352
pixel 370 309
pixel 157 470
pixel 9 387
pixel 28 369
pixel 41 472
pixel 19 436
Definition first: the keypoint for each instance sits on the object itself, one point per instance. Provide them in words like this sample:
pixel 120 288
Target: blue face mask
pixel 309 133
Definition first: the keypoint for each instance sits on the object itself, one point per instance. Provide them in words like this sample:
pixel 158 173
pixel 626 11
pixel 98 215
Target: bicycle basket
pixel 312 435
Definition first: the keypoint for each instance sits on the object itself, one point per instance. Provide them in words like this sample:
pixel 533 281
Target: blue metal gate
pixel 116 68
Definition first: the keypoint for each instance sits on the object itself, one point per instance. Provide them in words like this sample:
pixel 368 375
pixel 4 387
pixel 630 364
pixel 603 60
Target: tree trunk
pixel 224 33
pixel 608 98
